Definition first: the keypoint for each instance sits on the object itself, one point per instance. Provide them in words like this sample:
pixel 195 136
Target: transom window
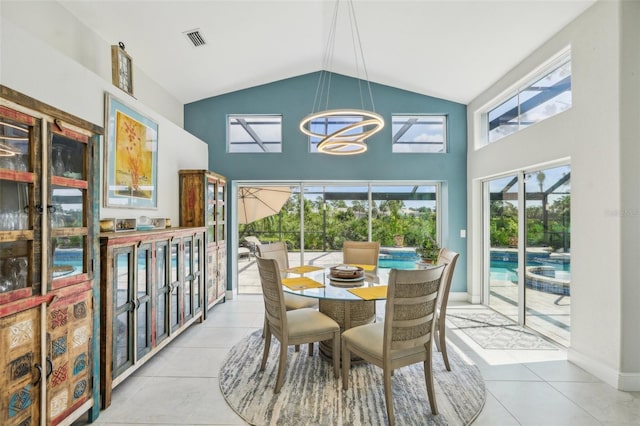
pixel 254 133
pixel 419 133
pixel 548 95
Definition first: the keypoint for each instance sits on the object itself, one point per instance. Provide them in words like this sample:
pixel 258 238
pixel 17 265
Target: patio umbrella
pixel 258 202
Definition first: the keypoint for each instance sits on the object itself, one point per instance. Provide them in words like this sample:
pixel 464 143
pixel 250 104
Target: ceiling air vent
pixel 195 37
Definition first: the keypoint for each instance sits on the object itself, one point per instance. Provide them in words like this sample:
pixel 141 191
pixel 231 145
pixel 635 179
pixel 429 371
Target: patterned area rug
pixel 310 395
pixel 491 330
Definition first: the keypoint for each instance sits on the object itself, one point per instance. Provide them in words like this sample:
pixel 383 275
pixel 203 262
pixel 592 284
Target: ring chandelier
pixel 349 139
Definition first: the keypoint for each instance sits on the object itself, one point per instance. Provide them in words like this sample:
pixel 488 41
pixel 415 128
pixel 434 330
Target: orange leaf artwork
pixel 133 158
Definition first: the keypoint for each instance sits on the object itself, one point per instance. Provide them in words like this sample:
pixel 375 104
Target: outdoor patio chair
pixel 404 337
pixel 278 252
pixel 449 259
pixel 295 327
pixel 253 242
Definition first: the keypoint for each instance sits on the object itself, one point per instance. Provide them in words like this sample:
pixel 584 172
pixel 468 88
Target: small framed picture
pixel 121 68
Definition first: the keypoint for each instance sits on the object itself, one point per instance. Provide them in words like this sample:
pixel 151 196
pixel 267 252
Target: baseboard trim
pixel 628 382
pixel 459 296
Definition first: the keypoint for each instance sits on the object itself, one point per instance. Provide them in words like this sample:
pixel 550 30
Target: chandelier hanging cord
pixel 356 29
pixel 324 81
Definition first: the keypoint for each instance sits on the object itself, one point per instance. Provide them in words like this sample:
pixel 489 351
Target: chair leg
pixel 281 366
pixel 267 345
pixel 388 397
pixel 336 354
pixel 346 365
pixel 297 348
pixel 443 345
pixel 311 349
pixel 428 378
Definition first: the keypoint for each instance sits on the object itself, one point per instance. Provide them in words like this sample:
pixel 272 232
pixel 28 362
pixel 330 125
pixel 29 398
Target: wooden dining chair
pixel 278 252
pixel 295 327
pixel 449 259
pixel 405 336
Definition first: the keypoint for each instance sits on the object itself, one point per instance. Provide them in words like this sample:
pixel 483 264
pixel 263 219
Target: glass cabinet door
pixel 174 298
pixel 221 211
pixel 69 215
pixel 198 272
pixel 211 210
pixel 123 307
pixel 188 278
pixel 19 188
pixel 163 289
pixel 142 301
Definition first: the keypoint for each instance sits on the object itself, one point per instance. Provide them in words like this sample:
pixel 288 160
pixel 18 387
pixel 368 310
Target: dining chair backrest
pixel 410 308
pixel 274 306
pixel 277 251
pixel 449 259
pixel 361 252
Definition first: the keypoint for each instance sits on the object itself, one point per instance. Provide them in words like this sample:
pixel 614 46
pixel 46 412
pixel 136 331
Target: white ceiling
pixel 452 49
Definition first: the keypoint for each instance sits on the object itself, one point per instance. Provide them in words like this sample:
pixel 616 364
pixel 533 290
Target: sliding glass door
pixel 501 213
pixel 528 251
pixel 319 216
pixel 548 252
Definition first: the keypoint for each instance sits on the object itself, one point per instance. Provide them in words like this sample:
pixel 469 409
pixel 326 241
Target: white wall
pixel 47 54
pixel 589 134
pixel 630 203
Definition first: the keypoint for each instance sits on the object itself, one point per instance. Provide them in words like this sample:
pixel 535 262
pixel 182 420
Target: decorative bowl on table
pixel 347 272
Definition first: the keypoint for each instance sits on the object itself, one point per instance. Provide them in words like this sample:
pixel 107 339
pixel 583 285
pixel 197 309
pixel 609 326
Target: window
pixel 419 133
pixel 254 133
pixel 548 95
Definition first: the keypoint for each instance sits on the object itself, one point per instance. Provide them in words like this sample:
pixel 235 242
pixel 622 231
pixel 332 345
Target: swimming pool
pixel 398 263
pixel 398 258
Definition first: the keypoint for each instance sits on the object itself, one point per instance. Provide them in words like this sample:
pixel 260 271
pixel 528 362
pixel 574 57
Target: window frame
pixel 559 60
pixel 445 133
pixel 230 143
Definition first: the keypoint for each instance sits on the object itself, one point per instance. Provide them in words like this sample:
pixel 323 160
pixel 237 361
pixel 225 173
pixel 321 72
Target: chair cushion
pixel 303 322
pixel 368 339
pixel 293 301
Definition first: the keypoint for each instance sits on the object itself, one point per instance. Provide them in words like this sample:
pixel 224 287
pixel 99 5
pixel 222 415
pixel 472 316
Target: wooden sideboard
pixel 152 289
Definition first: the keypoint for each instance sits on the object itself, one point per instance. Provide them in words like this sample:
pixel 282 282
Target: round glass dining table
pixel 336 301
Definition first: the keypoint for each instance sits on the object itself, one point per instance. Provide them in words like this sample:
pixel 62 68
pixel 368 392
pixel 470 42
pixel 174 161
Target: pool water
pixel 398 263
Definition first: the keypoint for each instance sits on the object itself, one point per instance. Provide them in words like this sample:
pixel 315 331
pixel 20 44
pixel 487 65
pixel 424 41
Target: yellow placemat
pixel 363 266
pixel 300 283
pixel 370 293
pixel 303 269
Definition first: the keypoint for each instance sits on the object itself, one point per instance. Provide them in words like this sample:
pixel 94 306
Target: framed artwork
pixel 131 157
pixel 121 68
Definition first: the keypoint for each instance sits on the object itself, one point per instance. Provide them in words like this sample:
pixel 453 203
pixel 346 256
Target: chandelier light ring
pixel 337 136
pixel 340 142
pixel 342 148
pixel 374 120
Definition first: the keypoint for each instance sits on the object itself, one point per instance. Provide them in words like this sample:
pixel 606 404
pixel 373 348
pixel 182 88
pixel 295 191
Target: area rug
pixel 310 395
pixel 491 330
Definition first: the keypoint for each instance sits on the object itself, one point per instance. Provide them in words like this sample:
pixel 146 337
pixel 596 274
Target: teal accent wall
pixel 293 98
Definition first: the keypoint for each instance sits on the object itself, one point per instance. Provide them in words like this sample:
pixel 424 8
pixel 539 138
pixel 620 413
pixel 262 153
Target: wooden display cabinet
pixel 203 203
pixel 48 354
pixel 152 288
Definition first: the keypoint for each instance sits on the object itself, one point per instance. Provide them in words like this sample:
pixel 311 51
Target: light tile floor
pixel 179 386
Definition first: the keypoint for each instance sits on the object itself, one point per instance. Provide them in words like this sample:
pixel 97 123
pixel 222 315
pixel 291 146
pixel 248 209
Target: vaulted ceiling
pixel 452 49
